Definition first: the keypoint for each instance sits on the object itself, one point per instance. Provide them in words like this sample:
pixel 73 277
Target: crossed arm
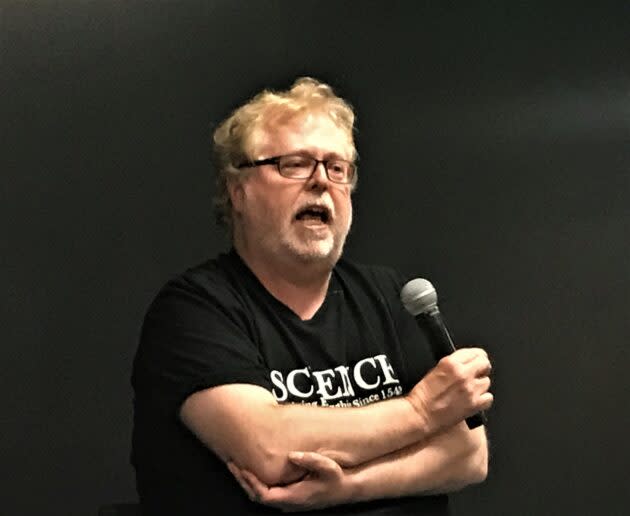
pixel 447 462
pixel 244 424
pixel 418 441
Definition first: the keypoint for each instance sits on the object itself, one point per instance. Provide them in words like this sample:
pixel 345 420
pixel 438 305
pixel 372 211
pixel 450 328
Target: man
pixel 281 377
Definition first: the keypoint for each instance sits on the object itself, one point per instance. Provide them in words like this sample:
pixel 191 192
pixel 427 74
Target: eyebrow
pixel 327 155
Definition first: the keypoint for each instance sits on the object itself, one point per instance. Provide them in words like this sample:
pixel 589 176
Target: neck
pixel 300 286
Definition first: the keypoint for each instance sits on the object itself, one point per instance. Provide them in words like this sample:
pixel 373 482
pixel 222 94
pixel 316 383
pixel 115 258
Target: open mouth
pixel 314 213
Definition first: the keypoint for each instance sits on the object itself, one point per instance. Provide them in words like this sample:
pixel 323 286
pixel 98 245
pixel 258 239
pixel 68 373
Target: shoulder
pixel 213 283
pixel 209 276
pixel 380 277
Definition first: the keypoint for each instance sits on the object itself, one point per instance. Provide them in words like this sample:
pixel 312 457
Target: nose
pixel 319 177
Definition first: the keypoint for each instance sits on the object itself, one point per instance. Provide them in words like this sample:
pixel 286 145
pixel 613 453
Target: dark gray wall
pixel 495 160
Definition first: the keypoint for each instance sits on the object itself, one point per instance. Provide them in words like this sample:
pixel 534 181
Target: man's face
pixel 272 211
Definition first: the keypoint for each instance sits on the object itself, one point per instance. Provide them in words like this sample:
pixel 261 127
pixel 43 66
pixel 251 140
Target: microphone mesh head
pixel 418 296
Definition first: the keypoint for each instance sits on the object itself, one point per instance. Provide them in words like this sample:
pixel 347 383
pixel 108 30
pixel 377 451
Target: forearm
pixel 261 433
pixel 244 424
pixel 350 436
pixel 447 462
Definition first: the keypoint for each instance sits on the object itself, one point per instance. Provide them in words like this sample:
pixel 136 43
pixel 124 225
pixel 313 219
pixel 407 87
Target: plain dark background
pixel 495 160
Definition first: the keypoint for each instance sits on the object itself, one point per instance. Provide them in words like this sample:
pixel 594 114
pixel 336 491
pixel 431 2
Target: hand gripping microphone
pixel 420 299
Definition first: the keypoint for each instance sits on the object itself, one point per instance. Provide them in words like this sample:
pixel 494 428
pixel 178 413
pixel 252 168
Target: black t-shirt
pixel 217 324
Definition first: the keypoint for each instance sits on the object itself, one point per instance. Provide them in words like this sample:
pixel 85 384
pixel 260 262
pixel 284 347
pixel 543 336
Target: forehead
pixel 315 133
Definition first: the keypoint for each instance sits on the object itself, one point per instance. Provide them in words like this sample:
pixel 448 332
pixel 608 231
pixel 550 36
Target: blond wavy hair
pixel 235 137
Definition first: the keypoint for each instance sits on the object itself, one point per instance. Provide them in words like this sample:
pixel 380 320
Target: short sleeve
pixel 194 337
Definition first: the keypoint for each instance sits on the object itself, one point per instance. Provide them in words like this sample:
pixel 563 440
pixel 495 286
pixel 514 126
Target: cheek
pixel 271 209
pixel 344 204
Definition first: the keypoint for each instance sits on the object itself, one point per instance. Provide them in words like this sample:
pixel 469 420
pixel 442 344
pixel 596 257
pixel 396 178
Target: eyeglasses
pixel 296 166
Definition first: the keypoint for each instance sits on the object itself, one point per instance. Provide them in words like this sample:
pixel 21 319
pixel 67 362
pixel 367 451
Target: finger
pixel 483 384
pixel 484 368
pixel 281 497
pixel 478 366
pixel 314 462
pixel 236 472
pixel 486 400
pixel 465 355
pixel 258 488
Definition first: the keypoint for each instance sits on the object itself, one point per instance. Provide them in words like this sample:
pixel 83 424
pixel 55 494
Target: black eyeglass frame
pixel 275 160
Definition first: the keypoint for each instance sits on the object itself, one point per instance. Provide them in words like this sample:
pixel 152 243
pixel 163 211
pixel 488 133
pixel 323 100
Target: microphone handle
pixel 442 344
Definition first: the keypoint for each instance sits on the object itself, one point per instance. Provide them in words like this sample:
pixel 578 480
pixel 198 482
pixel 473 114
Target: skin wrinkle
pixel 280 249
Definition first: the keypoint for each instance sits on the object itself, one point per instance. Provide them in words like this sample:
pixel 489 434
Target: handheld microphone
pixel 420 299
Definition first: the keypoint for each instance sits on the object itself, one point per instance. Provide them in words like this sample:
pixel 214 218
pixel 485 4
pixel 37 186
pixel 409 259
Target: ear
pixel 237 194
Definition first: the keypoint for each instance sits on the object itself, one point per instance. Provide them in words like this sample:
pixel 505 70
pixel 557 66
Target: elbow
pixel 478 465
pixel 477 457
pixel 479 473
pixel 270 464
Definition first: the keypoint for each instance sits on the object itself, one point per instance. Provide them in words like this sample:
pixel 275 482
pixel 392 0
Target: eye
pixel 295 162
pixel 338 170
pixel 337 167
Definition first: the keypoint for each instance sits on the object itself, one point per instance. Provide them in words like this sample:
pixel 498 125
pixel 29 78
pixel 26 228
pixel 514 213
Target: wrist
pixel 354 487
pixel 419 412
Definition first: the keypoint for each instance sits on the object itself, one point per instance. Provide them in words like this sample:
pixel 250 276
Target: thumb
pixel 314 462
